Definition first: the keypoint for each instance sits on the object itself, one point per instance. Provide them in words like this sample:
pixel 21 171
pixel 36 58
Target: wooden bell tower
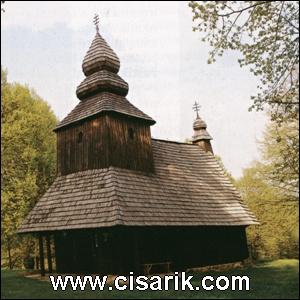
pixel 104 129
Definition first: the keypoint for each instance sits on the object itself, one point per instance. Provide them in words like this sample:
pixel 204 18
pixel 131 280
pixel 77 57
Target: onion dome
pixel 200 132
pixel 102 90
pixel 199 124
pixel 101 65
pixel 100 57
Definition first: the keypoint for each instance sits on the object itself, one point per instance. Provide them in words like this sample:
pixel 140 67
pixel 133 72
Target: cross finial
pixel 96 22
pixel 196 108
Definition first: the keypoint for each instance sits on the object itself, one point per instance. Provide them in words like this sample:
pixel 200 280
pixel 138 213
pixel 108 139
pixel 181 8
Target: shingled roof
pixel 188 188
pixel 100 56
pixel 102 89
pixel 200 130
pixel 103 102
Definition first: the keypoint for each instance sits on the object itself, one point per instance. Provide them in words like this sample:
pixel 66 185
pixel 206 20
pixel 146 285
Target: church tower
pixel 201 136
pixel 104 129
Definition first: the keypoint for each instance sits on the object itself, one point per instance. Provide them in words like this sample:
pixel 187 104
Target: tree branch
pixel 243 9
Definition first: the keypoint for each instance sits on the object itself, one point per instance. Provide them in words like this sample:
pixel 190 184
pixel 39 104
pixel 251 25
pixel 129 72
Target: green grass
pixel 270 280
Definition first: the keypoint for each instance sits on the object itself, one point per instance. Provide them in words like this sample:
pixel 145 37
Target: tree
pixel 273 196
pixel 280 154
pixel 277 235
pixel 267 35
pixel 28 151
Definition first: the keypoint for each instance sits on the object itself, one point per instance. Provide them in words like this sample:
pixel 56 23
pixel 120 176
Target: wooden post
pixel 49 258
pixel 119 246
pixel 41 250
pixel 36 256
pixel 37 263
pixel 136 255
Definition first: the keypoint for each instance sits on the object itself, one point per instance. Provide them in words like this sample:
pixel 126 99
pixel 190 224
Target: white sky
pixel 164 62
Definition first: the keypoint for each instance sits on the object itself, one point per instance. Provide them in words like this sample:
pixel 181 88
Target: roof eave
pixel 149 120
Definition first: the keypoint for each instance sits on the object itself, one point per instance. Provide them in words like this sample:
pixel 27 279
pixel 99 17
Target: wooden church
pixel 123 201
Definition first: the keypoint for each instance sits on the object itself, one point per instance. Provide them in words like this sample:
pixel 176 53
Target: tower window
pixel 131 133
pixel 79 137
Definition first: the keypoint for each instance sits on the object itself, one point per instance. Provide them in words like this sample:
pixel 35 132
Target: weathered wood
pixel 136 253
pixel 120 257
pixel 37 263
pixel 41 252
pixel 159 215
pixel 126 152
pixel 148 267
pixel 49 256
pixel 205 145
pixel 107 140
pixel 100 104
pixel 159 249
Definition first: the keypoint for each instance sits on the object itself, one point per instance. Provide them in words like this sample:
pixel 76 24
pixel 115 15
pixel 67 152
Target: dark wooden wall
pixel 129 150
pixel 107 140
pixel 205 145
pixel 113 250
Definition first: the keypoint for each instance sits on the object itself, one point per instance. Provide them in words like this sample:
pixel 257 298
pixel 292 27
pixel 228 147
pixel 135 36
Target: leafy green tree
pixel 277 235
pixel 273 196
pixel 280 153
pixel 266 33
pixel 28 159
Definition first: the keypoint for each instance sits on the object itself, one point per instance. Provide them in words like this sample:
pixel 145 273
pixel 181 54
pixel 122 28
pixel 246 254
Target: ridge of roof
pixel 173 142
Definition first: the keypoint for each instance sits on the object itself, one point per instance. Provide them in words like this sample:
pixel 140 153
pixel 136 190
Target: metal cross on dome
pixel 96 22
pixel 196 108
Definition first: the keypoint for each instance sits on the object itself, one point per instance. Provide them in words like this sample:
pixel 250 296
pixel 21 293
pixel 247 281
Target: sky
pixel 164 62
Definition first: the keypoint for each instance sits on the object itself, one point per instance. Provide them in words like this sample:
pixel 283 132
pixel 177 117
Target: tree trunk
pixel 9 254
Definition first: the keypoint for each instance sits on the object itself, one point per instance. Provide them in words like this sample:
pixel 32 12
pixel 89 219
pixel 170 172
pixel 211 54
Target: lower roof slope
pixel 188 188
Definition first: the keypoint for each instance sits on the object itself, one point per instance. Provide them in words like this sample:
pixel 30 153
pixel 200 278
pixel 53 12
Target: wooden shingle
pixel 103 102
pixel 188 188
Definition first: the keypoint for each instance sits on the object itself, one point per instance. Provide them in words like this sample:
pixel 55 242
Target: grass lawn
pixel 278 280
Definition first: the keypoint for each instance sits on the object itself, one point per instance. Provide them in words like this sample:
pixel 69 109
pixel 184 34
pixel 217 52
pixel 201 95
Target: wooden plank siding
pixel 106 141
pixel 117 250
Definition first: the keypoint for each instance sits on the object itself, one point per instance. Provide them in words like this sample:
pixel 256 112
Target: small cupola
pixel 201 136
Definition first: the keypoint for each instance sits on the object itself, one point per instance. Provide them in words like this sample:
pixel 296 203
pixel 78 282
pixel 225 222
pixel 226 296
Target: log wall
pixel 107 140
